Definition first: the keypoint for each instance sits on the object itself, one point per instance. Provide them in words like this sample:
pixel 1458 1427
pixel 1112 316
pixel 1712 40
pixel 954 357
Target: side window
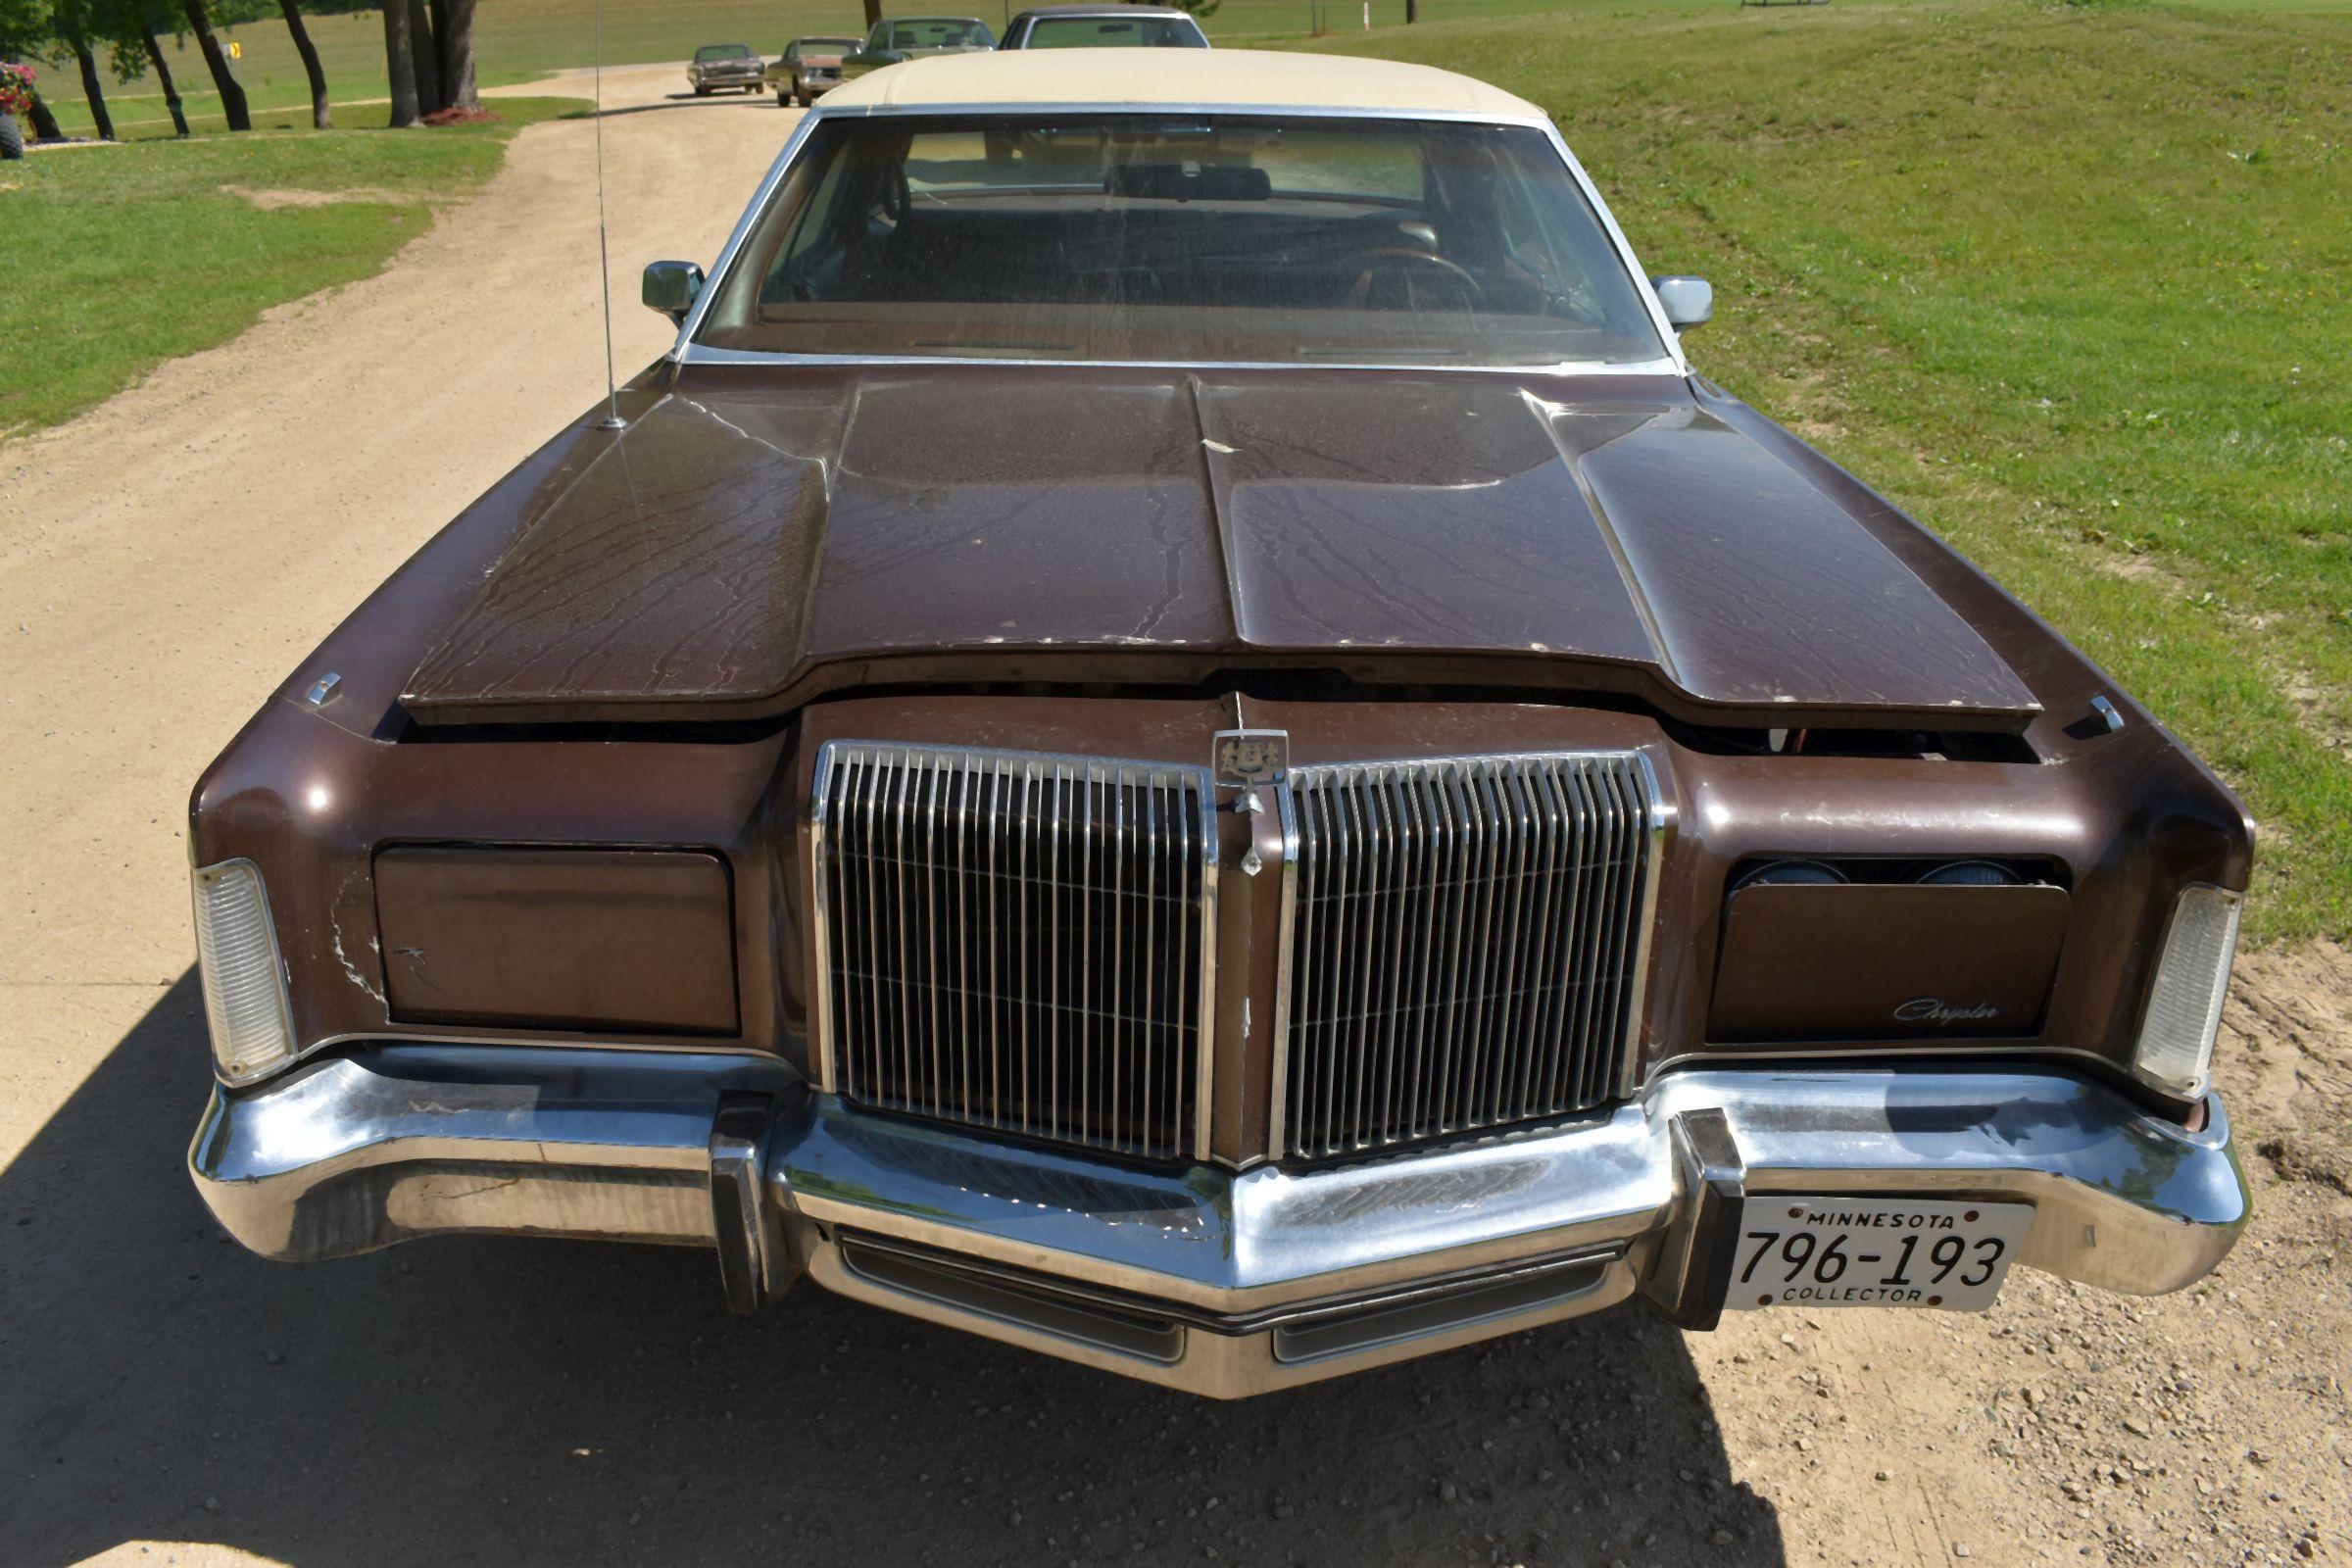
pixel 878 39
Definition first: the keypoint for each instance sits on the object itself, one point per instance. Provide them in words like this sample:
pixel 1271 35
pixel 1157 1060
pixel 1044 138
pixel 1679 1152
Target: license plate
pixel 1874 1252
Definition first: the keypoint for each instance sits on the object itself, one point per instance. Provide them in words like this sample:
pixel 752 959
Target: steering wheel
pixel 1371 264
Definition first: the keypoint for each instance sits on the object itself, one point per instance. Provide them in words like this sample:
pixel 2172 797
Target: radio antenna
pixel 603 257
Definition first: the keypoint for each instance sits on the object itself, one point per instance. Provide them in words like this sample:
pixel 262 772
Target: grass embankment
pixel 2073 286
pixel 158 253
pixel 520 40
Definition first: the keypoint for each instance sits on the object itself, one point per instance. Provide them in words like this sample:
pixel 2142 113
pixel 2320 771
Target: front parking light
pixel 2184 1002
pixel 244 983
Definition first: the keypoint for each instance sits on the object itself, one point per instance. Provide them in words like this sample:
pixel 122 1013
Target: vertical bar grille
pixel 1017 941
pixel 1466 944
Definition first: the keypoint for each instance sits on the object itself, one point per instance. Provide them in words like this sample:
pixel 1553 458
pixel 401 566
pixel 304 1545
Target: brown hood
pixel 753 540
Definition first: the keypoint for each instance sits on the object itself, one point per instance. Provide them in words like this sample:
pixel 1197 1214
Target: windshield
pixel 927 32
pixel 722 51
pixel 1113 32
pixel 1217 238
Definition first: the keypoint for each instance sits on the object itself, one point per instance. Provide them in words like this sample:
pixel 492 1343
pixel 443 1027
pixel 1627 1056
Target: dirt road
pixel 166 1398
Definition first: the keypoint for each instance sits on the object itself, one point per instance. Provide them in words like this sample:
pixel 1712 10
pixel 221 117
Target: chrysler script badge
pixel 1929 1009
pixel 1252 755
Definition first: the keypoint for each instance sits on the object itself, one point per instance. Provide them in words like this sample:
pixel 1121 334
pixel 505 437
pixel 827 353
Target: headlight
pixel 2184 1001
pixel 244 984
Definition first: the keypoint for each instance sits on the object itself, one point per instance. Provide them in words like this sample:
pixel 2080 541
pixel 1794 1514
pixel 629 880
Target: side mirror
pixel 1689 302
pixel 670 287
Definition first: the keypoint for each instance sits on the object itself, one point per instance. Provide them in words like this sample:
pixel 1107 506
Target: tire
pixel 783 98
pixel 701 92
pixel 12 137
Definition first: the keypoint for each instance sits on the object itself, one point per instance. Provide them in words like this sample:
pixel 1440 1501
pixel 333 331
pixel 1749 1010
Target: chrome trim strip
pixel 1133 107
pixel 821 921
pixel 705 354
pixel 1660 826
pixel 1286 812
pixel 684 349
pixel 1212 862
pixel 392 1035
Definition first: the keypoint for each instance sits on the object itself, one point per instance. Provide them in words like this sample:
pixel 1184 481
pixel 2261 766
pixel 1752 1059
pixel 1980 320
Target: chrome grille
pixel 1464 947
pixel 1017 941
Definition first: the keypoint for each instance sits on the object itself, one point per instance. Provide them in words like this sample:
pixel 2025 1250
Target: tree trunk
pixel 873 14
pixel 400 63
pixel 44 124
pixel 426 58
pixel 1412 12
pixel 456 36
pixel 163 74
pixel 320 116
pixel 215 60
pixel 70 29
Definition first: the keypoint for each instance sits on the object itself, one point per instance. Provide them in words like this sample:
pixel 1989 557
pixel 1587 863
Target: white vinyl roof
pixel 1236 79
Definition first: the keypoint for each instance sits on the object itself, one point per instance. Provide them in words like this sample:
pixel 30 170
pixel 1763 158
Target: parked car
pixel 809 67
pixel 724 68
pixel 1104 26
pixel 897 38
pixel 1177 731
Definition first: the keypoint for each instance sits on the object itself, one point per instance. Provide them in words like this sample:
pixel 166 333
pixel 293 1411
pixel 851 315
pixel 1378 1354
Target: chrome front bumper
pixel 1225 1284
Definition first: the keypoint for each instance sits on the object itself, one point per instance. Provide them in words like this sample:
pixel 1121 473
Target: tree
pixel 215 60
pixel 453 29
pixel 873 14
pixel 72 25
pixel 321 119
pixel 400 63
pixel 24 31
pixel 163 74
pixel 425 59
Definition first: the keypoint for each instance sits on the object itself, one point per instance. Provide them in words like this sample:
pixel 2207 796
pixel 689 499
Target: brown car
pixel 1176 732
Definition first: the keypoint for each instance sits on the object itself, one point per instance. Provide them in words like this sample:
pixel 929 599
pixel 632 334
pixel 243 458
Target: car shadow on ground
pixel 511 1401
pixel 764 99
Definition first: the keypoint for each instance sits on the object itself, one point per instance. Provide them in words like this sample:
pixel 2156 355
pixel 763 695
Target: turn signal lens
pixel 2184 1002
pixel 244 984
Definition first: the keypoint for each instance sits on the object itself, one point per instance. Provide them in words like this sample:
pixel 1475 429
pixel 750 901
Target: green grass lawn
pixel 2071 285
pixel 518 41
pixel 160 257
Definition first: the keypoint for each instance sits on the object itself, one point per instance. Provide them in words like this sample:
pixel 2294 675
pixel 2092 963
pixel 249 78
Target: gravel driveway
pixel 163 1397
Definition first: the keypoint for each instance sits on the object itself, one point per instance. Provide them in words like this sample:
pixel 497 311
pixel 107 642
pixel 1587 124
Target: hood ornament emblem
pixel 1243 758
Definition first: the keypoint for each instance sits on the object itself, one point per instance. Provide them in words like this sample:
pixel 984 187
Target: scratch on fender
pixel 336 921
